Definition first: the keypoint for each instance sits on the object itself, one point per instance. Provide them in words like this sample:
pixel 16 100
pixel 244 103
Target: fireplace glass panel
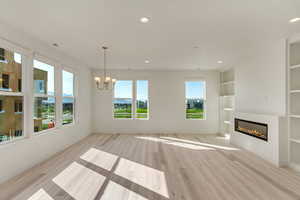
pixel 255 129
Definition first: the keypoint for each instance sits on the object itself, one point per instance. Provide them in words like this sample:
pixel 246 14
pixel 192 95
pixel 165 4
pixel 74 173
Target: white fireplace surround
pixel 275 149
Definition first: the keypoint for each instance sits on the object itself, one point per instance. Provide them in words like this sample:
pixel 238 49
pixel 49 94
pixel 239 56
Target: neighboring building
pixel 40 78
pixel 11 107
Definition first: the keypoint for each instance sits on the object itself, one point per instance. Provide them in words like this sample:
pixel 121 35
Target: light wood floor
pixel 148 167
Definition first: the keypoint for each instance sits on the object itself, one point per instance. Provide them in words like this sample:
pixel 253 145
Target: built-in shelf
pixel 227 91
pixel 294 104
pixel 294 91
pixel 294 66
pixel 294 116
pixel 227 83
pixel 295 140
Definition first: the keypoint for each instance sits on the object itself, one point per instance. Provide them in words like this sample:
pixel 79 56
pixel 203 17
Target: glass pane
pixel 10 71
pixel 43 77
pixel 68 84
pixel 142 99
pixel 122 108
pixel 194 94
pixel 11 117
pixel 44 113
pixel 123 89
pixel 68 110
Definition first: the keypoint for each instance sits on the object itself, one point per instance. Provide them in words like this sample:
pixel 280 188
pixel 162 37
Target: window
pixel 5 81
pixel 19 85
pixel 11 98
pixel 195 99
pixel 18 107
pixel 44 96
pixel 142 99
pixel 124 98
pixel 68 97
pixel 122 103
pixel 2 54
pixel 17 58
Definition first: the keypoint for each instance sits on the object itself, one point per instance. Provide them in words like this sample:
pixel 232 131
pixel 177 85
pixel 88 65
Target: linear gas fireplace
pixel 255 129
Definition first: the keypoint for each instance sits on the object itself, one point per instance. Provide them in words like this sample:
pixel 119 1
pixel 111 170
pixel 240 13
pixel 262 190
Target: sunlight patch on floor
pixel 145 176
pixel 40 195
pixel 115 191
pixel 79 181
pixel 201 143
pixel 100 158
pixel 176 143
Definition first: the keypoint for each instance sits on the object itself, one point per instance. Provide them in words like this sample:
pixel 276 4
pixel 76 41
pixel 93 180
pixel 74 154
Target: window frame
pixel 204 98
pixel 133 100
pixel 55 92
pixel 14 49
pixel 69 97
pixel 27 89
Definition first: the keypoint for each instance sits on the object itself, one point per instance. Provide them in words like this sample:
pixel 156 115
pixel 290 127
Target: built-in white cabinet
pixel 227 91
pixel 293 69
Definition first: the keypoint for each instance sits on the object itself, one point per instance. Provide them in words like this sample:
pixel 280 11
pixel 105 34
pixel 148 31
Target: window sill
pixel 44 132
pixel 8 142
pixel 196 119
pixel 122 118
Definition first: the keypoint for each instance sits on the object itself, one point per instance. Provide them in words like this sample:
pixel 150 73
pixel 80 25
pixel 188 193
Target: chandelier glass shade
pixel 105 82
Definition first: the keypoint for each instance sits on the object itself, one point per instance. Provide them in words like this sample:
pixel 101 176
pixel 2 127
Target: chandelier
pixel 105 82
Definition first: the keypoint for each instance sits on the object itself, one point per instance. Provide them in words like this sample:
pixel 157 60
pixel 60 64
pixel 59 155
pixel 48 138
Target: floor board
pixel 153 167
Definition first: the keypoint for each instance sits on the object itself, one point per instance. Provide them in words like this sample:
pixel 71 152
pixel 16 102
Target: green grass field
pixel 194 113
pixel 142 113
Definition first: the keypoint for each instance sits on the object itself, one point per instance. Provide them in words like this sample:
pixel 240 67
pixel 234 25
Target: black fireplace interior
pixel 255 129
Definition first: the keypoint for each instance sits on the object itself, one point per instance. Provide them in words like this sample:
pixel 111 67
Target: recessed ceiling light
pixel 147 61
pixel 144 20
pixel 220 62
pixel 55 44
pixel 294 20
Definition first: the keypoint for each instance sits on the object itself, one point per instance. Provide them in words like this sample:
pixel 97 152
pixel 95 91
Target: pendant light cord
pixel 104 61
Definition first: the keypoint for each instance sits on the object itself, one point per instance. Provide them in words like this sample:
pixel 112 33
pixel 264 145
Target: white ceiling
pixel 220 29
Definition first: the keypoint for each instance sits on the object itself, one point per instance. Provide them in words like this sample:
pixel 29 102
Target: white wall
pixel 167 104
pixel 261 80
pixel 23 154
pixel 261 89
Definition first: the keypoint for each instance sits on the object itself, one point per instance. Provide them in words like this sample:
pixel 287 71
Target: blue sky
pixel 123 89
pixel 68 81
pixel 194 89
pixel 142 90
pixel 68 78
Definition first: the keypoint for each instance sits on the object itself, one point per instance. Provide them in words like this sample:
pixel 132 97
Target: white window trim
pixel 55 96
pixel 14 49
pixel 204 97
pixel 133 101
pixel 69 97
pixel 132 96
pixel 28 56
